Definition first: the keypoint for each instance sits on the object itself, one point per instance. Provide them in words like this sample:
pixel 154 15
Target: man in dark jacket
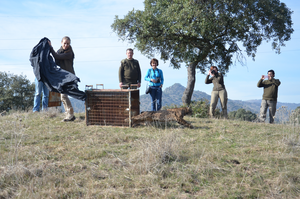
pixel 61 80
pixel 64 58
pixel 269 96
pixel 129 71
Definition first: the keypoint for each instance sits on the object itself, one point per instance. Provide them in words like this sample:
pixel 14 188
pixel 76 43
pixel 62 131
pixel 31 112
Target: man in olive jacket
pixel 269 96
pixel 129 71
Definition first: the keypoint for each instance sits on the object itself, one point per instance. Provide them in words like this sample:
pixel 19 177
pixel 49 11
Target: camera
pixel 157 80
pixel 213 72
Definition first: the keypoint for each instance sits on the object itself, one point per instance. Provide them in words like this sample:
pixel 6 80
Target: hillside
pixel 42 157
pixel 173 95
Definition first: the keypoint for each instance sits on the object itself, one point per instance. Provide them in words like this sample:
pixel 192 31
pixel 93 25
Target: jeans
pixel 263 110
pixel 156 94
pixel 39 87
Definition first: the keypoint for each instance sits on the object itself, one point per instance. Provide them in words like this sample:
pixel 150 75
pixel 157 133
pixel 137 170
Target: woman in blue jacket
pixel 156 79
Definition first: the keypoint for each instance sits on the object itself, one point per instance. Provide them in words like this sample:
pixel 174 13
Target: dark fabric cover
pixel 55 78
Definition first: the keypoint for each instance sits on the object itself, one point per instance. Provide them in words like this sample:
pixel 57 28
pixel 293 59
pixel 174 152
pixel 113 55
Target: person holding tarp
pixel 61 80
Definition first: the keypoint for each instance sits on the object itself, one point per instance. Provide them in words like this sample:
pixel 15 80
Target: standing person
pixel 156 79
pixel 39 88
pixel 269 96
pixel 218 91
pixel 64 58
pixel 129 71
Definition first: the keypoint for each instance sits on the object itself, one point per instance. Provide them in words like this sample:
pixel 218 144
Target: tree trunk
pixel 187 95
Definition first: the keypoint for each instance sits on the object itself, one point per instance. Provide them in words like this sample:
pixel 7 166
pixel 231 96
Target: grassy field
pixel 42 157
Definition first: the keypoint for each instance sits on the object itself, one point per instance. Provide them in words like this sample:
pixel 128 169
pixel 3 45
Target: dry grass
pixel 42 157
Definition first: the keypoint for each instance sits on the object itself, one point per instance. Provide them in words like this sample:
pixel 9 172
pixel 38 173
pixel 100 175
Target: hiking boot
pixel 69 119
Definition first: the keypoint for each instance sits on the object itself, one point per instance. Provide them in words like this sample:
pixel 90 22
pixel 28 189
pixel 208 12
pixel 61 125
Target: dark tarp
pixel 55 78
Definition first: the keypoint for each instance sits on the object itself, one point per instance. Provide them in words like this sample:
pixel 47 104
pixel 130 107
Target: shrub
pixel 242 114
pixel 200 108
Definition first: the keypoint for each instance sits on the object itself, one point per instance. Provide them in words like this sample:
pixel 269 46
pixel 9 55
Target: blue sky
pixel 98 51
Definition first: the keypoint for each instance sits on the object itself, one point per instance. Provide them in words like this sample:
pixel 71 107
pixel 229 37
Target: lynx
pixel 175 114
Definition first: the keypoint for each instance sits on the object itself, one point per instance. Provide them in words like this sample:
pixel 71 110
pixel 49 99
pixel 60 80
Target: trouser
pixel 67 105
pixel 39 88
pixel 215 95
pixel 156 95
pixel 263 110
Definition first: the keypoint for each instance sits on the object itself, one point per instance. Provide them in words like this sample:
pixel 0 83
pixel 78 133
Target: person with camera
pixel 270 94
pixel 156 79
pixel 218 91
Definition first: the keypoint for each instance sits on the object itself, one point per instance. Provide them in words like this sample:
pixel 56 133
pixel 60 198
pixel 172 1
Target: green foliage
pixel 199 108
pixel 242 114
pixel 202 33
pixel 205 32
pixel 16 92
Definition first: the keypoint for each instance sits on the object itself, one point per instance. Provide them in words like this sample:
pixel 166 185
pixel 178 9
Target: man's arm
pixel 260 83
pixel 140 75
pixel 276 82
pixel 121 75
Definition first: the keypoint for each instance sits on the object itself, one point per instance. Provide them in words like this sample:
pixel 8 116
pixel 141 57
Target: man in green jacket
pixel 129 71
pixel 269 96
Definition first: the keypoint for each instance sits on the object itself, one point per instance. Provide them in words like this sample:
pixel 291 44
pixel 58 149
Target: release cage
pixel 111 106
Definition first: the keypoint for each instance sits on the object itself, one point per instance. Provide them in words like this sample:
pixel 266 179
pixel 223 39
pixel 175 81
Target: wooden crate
pixel 111 106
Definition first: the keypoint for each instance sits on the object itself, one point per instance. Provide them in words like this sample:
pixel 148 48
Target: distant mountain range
pixel 173 95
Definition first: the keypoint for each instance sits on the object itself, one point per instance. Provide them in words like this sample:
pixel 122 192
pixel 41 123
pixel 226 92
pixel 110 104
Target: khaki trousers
pixel 67 105
pixel 215 95
pixel 263 110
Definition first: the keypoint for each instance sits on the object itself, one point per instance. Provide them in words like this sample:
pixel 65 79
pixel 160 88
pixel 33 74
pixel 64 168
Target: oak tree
pixel 16 92
pixel 201 33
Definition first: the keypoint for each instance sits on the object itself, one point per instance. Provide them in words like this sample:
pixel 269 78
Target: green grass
pixel 42 157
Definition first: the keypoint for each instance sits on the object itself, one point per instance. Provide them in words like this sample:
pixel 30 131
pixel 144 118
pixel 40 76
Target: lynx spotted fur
pixel 175 114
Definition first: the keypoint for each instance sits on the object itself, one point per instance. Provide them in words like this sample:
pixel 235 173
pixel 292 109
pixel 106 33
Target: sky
pixel 98 50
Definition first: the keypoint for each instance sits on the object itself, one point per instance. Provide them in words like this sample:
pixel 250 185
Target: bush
pixel 242 114
pixel 200 108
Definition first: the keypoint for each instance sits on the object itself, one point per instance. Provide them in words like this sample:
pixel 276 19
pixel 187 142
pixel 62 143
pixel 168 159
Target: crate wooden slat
pixel 111 106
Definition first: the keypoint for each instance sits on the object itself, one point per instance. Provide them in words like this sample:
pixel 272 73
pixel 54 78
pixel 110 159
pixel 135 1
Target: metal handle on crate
pixel 134 85
pixel 126 85
pixel 88 87
pixel 99 85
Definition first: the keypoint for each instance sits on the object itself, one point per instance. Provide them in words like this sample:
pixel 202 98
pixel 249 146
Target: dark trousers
pixel 156 95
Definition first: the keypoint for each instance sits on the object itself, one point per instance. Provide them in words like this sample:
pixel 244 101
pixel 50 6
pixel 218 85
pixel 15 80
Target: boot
pixel 70 115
